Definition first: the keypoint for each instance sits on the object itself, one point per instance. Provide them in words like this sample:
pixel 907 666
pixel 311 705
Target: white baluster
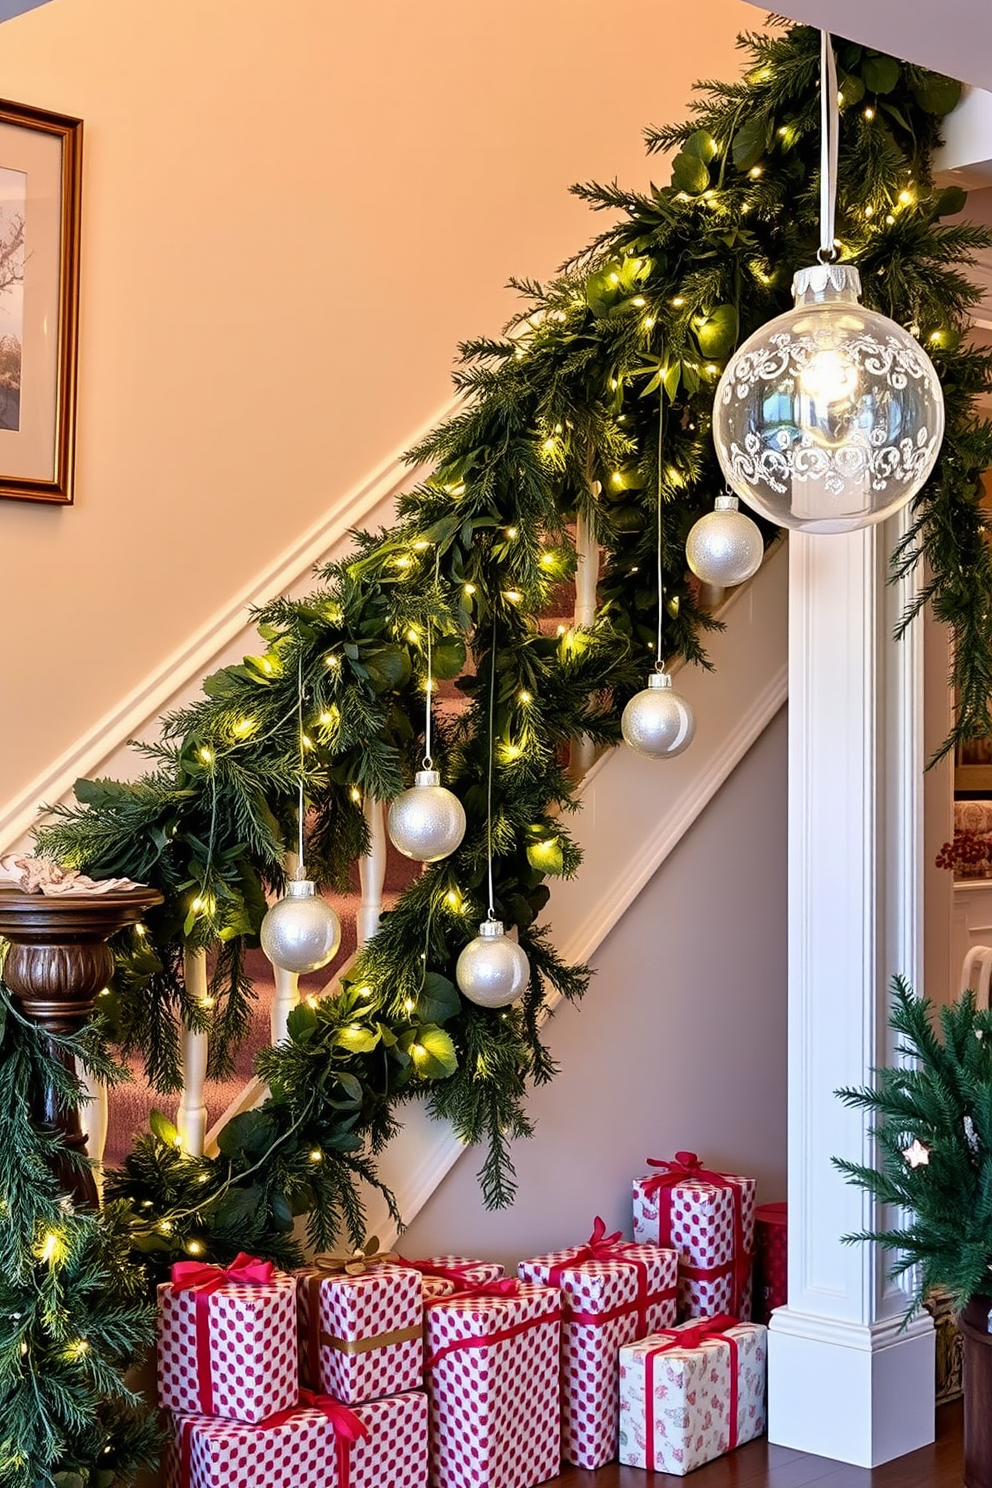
pixel 94 1118
pixel 583 750
pixel 372 871
pixel 191 1118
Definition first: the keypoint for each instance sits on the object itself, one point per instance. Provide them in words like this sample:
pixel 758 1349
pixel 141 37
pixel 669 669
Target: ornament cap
pixel 822 284
pixel 491 929
pixel 726 503
pixel 660 681
pixel 426 778
pixel 301 888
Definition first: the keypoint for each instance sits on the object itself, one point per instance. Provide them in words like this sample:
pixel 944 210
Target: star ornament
pixel 916 1154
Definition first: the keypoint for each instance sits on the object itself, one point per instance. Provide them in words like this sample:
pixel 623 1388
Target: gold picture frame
pixel 40 175
pixel 973 768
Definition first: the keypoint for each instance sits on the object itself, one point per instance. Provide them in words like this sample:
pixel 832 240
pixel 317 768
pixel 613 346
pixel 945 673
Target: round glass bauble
pixel 725 547
pixel 426 823
pixel 492 970
pixel 658 722
pixel 301 932
pixel 829 417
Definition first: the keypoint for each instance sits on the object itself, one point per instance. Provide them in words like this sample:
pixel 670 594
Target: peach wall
pixel 680 1042
pixel 292 212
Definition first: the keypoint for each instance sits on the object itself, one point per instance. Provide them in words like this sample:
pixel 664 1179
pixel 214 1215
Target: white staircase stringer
pixel 634 813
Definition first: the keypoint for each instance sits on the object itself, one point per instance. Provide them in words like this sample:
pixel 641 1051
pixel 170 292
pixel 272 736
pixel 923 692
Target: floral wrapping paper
pixel 361 1336
pixel 494 1403
pixel 686 1420
pixel 476 1272
pixel 604 1293
pixel 303 1451
pixel 245 1368
pixel 702 1232
pixel 771 1260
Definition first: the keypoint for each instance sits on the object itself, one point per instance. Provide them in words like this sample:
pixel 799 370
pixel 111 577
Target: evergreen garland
pixel 942 1100
pixel 596 402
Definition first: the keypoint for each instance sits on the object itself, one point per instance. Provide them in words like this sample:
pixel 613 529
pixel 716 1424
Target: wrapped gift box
pixel 685 1400
pixel 708 1218
pixel 771 1260
pixel 492 1381
pixel 612 1292
pixel 444 1275
pixel 361 1336
pixel 305 1448
pixel 227 1341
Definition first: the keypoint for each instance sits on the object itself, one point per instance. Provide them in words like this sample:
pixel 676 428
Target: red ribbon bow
pixel 504 1286
pixel 603 1247
pixel 686 1168
pixel 460 1276
pixel 690 1338
pixel 192 1276
pixel 347 1426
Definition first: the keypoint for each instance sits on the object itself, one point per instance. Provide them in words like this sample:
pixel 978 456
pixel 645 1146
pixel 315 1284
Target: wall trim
pixel 206 649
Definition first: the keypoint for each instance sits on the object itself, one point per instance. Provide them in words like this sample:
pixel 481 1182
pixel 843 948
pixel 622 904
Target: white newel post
pixel 372 872
pixel 191 1117
pixel 582 755
pixel 844 1382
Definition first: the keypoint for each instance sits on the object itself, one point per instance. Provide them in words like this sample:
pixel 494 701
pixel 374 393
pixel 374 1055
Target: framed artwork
pixel 973 768
pixel 40 169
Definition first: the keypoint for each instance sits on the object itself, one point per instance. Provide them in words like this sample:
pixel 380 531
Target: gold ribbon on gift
pixel 355 1264
pixel 377 1340
pixel 322 1268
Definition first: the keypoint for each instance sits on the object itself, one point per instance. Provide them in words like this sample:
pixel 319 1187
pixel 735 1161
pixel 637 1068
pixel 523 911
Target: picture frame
pixel 40 177
pixel 973 769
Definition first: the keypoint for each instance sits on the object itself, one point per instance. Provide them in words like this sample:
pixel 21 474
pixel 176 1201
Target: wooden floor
pixel 757 1465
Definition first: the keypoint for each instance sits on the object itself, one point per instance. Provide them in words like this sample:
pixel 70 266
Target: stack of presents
pixel 374 1371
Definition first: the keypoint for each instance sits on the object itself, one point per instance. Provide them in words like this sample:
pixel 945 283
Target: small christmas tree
pixel 934 1133
pixel 74 1307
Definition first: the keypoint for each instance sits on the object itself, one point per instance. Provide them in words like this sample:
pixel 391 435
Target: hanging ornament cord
pixel 491 915
pixel 659 661
pixel 829 139
pixel 301 872
pixel 428 762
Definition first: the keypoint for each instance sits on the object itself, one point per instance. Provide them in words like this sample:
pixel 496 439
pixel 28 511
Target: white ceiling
pixel 951 36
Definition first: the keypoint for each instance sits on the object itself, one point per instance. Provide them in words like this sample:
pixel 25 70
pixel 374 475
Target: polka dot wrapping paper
pixel 492 1382
pixel 302 1452
pixel 361 1336
pixel 599 1313
pixel 230 1353
pixel 689 1405
pixel 711 1228
pixel 465 1271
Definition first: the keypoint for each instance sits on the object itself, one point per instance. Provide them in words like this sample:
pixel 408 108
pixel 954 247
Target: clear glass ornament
pixel 829 417
pixel 492 970
pixel 725 547
pixel 658 722
pixel 427 822
pixel 301 932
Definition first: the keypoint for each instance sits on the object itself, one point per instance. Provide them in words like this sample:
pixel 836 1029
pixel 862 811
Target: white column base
pixel 854 1393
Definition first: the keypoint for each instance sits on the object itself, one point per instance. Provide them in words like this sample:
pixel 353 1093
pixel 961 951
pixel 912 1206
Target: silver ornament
pixel 492 970
pixel 426 823
pixel 724 547
pixel 301 932
pixel 658 722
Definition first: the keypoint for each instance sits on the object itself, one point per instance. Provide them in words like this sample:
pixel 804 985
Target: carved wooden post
pixel 58 961
pixel 372 872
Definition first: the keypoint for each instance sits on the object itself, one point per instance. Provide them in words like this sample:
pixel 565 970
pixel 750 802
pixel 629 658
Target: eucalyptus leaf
pixel 433 1054
pixel 951 201
pixel 701 144
pixel 881 73
pixel 438 1000
pixel 689 174
pixel 938 94
pixel 164 1129
pixel 356 1038
pixel 750 143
